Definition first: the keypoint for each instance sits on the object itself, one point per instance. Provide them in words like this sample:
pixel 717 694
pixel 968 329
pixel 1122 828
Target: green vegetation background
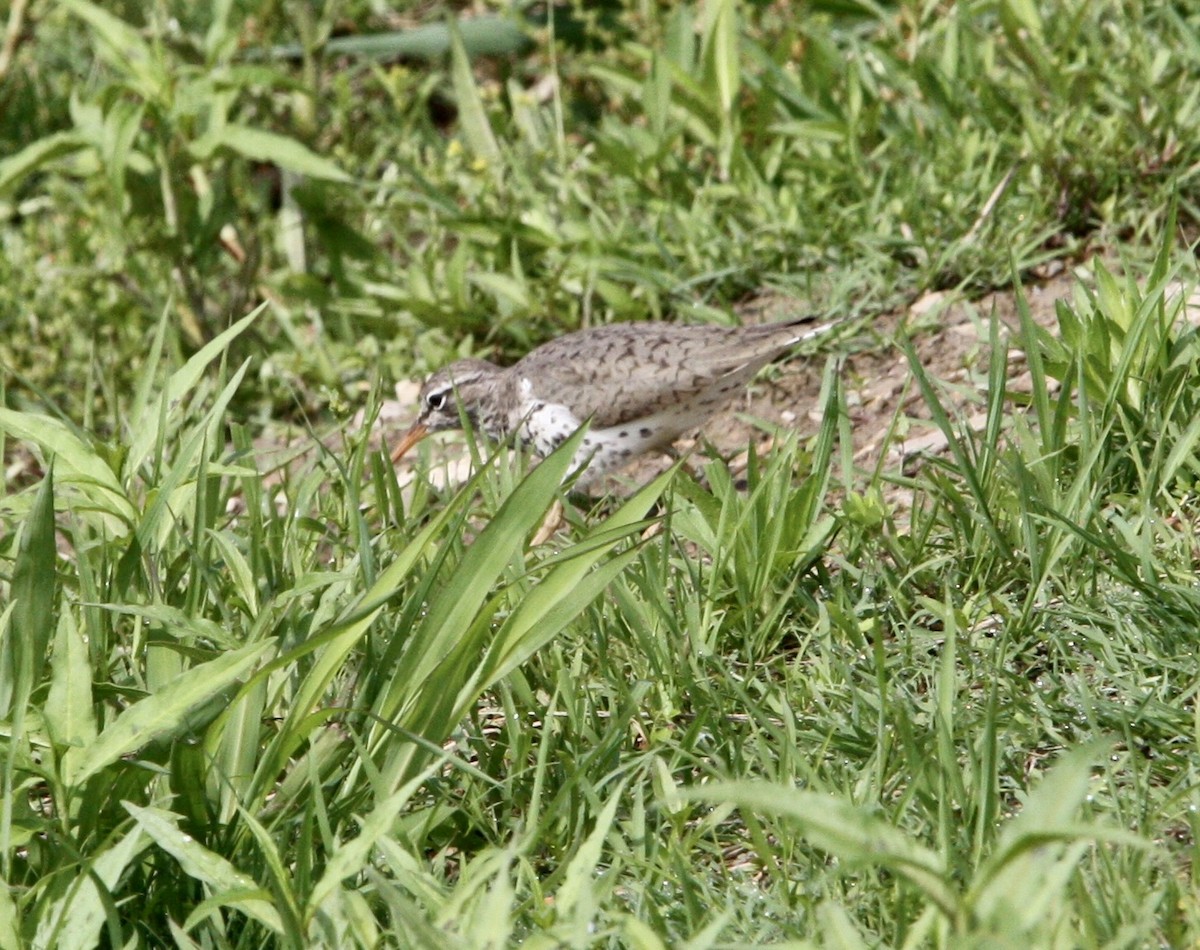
pixel 297 707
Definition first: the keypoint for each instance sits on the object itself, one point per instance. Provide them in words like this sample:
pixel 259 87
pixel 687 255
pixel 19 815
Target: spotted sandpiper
pixel 641 385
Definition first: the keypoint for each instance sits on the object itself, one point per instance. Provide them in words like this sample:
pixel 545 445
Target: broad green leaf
pixel 180 936
pixel 122 122
pixel 122 46
pixel 1183 453
pixel 1026 13
pixel 220 41
pixel 448 645
pixel 69 712
pixel 206 866
pixel 110 29
pixel 838 930
pixel 334 644
pixel 549 613
pixel 179 624
pixel 639 935
pixel 494 920
pixel 456 605
pixel 74 920
pixel 10 922
pixel 508 291
pixel 721 51
pixel 471 115
pixel 263 146
pixel 33 594
pixel 32 157
pixel 238 569
pixel 484 35
pixel 236 744
pixel 656 97
pixel 287 904
pixel 162 713
pixel 679 43
pixel 75 464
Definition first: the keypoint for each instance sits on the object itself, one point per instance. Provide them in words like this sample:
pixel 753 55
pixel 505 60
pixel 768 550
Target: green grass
pixel 951 706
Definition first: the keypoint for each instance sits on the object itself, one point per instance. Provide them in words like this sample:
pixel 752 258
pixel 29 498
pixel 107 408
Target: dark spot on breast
pixel 645 432
pixel 623 434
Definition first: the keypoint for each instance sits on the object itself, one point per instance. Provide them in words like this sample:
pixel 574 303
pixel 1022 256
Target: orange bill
pixel 411 438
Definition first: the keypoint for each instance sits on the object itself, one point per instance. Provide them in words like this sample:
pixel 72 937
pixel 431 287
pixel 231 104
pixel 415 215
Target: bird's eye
pixel 436 401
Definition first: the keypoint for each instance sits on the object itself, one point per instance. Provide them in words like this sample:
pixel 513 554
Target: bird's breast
pixel 543 425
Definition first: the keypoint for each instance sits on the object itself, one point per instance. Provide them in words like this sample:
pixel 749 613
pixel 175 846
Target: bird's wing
pixel 616 377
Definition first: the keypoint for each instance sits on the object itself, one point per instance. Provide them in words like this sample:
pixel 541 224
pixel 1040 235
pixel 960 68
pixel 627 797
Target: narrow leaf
pixel 351 856
pixel 159 518
pixel 843 829
pixel 150 422
pixel 567 590
pixel 576 895
pixel 454 610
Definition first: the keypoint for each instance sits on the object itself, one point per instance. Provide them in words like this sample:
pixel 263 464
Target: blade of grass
pixel 205 866
pixel 162 713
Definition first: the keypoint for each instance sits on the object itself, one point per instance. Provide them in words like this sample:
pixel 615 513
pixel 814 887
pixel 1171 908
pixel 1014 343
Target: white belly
pixel 545 426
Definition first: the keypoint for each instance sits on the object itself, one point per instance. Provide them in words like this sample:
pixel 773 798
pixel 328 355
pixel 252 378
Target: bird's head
pixel 452 393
